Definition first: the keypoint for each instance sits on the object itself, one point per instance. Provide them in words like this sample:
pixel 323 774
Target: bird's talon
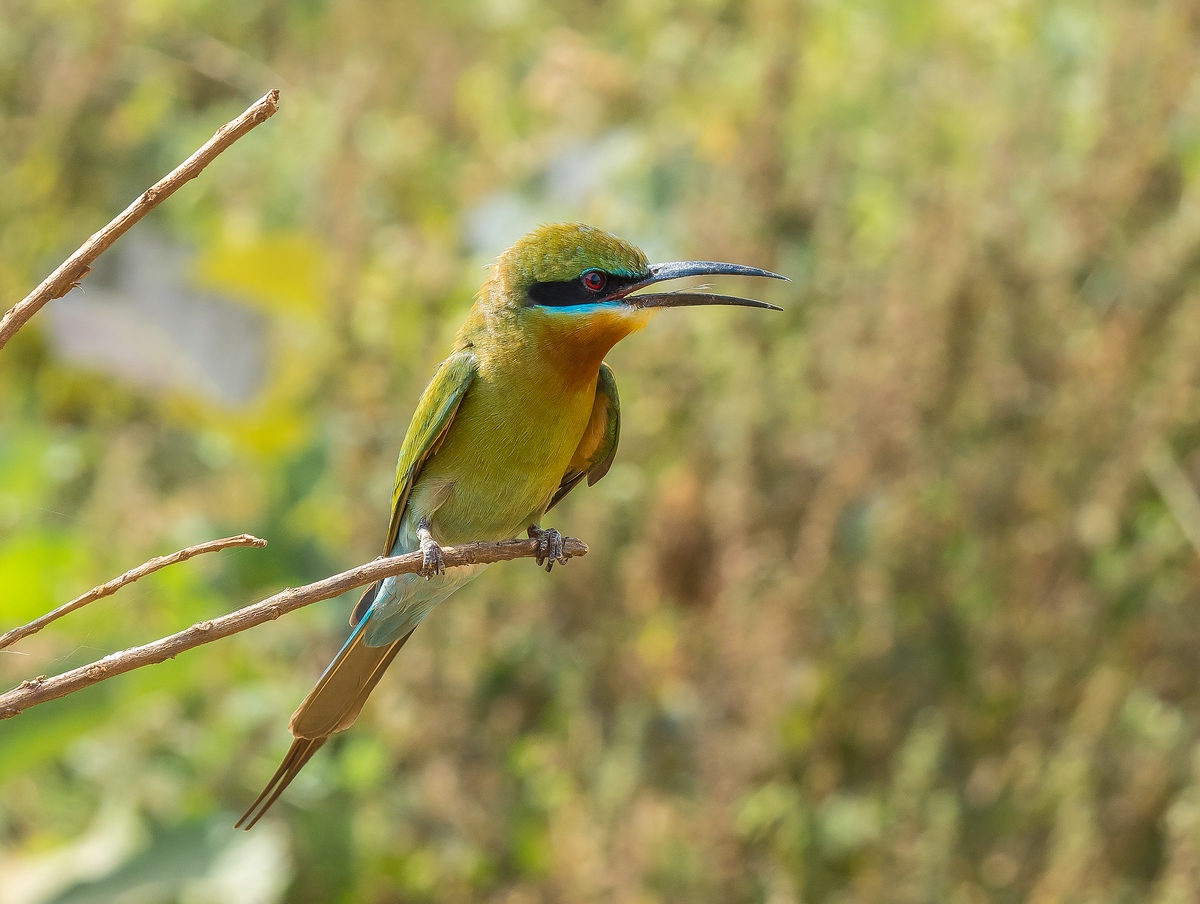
pixel 549 546
pixel 432 562
pixel 431 554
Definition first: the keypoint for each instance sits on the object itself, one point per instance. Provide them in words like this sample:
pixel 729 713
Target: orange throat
pixel 575 344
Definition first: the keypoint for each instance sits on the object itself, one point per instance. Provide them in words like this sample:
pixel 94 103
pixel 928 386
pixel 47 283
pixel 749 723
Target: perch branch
pixel 77 266
pixel 39 690
pixel 133 574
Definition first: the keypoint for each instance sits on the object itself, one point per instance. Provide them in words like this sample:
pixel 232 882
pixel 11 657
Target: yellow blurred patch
pixel 284 272
pixel 717 140
pixel 656 642
pixel 269 431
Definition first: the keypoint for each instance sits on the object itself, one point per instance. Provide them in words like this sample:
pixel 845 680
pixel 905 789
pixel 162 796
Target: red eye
pixel 594 280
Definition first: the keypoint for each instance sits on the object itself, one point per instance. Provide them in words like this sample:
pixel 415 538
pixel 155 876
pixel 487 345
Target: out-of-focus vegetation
pixel 890 596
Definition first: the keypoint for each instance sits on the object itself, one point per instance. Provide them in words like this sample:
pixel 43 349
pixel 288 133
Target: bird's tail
pixel 331 706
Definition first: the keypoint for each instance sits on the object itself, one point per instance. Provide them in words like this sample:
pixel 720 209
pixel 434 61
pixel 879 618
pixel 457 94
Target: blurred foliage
pixel 890 595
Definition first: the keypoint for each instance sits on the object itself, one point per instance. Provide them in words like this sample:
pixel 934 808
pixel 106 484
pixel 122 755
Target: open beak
pixel 678 270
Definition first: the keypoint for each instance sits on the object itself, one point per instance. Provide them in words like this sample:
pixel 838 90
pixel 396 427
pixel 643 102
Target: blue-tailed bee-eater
pixel 522 411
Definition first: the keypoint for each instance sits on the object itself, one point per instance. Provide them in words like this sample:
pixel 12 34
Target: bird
pixel 522 411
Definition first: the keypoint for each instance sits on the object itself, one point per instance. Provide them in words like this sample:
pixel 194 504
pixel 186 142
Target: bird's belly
pixel 499 465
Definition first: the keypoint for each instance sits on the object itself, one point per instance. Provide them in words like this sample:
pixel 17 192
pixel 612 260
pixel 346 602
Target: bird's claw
pixel 431 560
pixel 549 546
pixel 431 554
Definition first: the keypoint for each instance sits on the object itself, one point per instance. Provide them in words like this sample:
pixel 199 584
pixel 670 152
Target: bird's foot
pixel 549 546
pixel 431 554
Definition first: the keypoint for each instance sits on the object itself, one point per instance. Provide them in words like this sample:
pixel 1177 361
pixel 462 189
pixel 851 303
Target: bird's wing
pixel 598 448
pixel 342 690
pixel 430 422
pixel 435 412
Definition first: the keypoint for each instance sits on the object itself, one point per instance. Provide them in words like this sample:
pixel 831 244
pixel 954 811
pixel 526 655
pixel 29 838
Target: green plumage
pixel 519 414
pixel 562 252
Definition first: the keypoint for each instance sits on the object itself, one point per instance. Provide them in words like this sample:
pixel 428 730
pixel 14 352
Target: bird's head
pixel 581 285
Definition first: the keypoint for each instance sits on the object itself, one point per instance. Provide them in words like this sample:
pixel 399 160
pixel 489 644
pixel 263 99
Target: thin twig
pixel 39 690
pixel 133 574
pixel 77 266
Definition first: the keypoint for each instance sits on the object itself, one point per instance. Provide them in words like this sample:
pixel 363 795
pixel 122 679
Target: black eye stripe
pixel 559 294
pixel 572 292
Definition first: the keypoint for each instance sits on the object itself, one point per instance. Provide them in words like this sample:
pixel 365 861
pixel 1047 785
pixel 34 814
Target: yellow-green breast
pixel 519 425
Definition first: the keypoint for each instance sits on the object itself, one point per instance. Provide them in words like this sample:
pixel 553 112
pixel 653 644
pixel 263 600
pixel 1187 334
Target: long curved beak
pixel 678 270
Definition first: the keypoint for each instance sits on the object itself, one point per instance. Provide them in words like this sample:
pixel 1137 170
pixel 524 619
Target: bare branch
pixel 133 574
pixel 39 690
pixel 77 266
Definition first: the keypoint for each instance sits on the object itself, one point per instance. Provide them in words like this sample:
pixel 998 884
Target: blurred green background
pixel 891 596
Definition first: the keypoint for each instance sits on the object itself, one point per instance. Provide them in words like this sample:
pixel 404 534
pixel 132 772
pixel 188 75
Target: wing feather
pixel 598 447
pixel 426 431
pixel 430 422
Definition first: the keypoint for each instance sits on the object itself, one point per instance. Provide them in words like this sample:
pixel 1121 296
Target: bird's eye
pixel 594 280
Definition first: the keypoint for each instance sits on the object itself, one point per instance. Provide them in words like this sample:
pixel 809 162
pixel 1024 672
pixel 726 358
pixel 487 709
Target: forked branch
pixel 39 690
